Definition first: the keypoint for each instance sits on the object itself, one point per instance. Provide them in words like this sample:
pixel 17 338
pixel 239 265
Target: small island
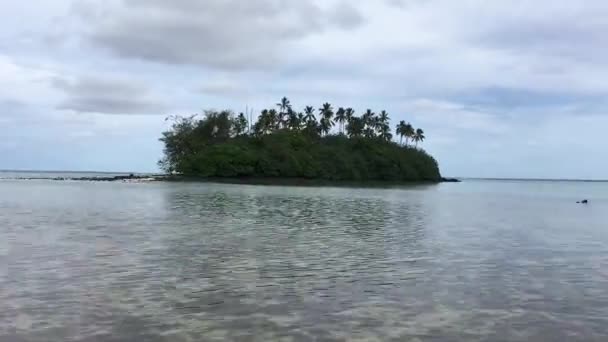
pixel 323 144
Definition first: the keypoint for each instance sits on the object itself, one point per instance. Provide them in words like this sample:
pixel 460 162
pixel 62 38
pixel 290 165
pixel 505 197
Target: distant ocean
pixel 24 175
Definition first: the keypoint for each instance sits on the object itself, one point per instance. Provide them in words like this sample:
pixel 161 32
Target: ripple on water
pixel 179 262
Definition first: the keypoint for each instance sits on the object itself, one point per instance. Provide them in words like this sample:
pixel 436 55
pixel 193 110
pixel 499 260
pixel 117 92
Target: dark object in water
pixel 583 202
pixel 450 180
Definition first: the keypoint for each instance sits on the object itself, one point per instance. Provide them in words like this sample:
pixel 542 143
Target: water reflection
pixel 267 252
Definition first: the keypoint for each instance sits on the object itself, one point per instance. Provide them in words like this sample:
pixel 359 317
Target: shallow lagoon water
pixel 474 261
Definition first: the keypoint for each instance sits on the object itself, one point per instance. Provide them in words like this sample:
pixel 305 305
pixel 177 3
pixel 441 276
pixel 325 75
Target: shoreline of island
pixel 275 181
pixel 286 181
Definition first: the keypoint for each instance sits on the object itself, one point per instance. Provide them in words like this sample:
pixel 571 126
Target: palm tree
pixel 301 120
pixel 293 120
pixel 327 110
pixel 309 112
pixel 284 107
pixel 340 118
pixel 376 124
pixel 327 113
pixel 368 116
pixel 400 129
pixel 383 126
pixel 384 119
pixel 349 114
pixel 355 127
pixel 385 132
pixel 310 121
pixel 409 132
pixel 273 118
pixel 419 136
pixel 369 119
pixel 325 125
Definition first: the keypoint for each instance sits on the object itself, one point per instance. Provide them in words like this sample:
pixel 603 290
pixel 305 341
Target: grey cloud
pixel 107 96
pixel 225 34
pixel 568 30
pixel 396 3
pixel 347 16
pixel 503 97
pixel 585 44
pixel 220 88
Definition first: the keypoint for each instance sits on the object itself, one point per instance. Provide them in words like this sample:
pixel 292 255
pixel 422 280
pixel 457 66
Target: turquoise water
pixel 474 261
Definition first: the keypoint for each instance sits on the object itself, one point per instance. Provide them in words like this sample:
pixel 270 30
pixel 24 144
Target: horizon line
pixel 461 178
pixel 535 179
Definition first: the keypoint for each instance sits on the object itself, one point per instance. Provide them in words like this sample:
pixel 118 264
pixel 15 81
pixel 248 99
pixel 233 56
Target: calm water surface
pixel 476 261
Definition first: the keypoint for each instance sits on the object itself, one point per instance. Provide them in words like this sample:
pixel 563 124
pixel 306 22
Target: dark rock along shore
pixel 132 177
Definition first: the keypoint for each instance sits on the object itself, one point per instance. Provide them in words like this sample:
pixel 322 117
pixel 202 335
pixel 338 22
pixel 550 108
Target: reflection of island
pixel 288 145
pixel 248 254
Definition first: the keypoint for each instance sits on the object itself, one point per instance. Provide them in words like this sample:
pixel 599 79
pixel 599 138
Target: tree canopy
pixel 290 144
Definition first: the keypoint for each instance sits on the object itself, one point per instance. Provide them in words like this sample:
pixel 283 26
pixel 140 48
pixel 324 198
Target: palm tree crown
pixel 341 118
pixel 368 125
pixel 400 129
pixel 383 126
pixel 327 111
pixel 349 113
pixel 419 136
pixel 369 121
pixel 409 132
pixel 327 114
pixel 355 127
pixel 309 112
pixel 284 107
pixel 293 120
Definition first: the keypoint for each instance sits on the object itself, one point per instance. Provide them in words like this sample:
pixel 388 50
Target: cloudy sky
pixel 502 88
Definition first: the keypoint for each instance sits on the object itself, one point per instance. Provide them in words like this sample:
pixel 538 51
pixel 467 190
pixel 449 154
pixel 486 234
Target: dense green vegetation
pixel 283 143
